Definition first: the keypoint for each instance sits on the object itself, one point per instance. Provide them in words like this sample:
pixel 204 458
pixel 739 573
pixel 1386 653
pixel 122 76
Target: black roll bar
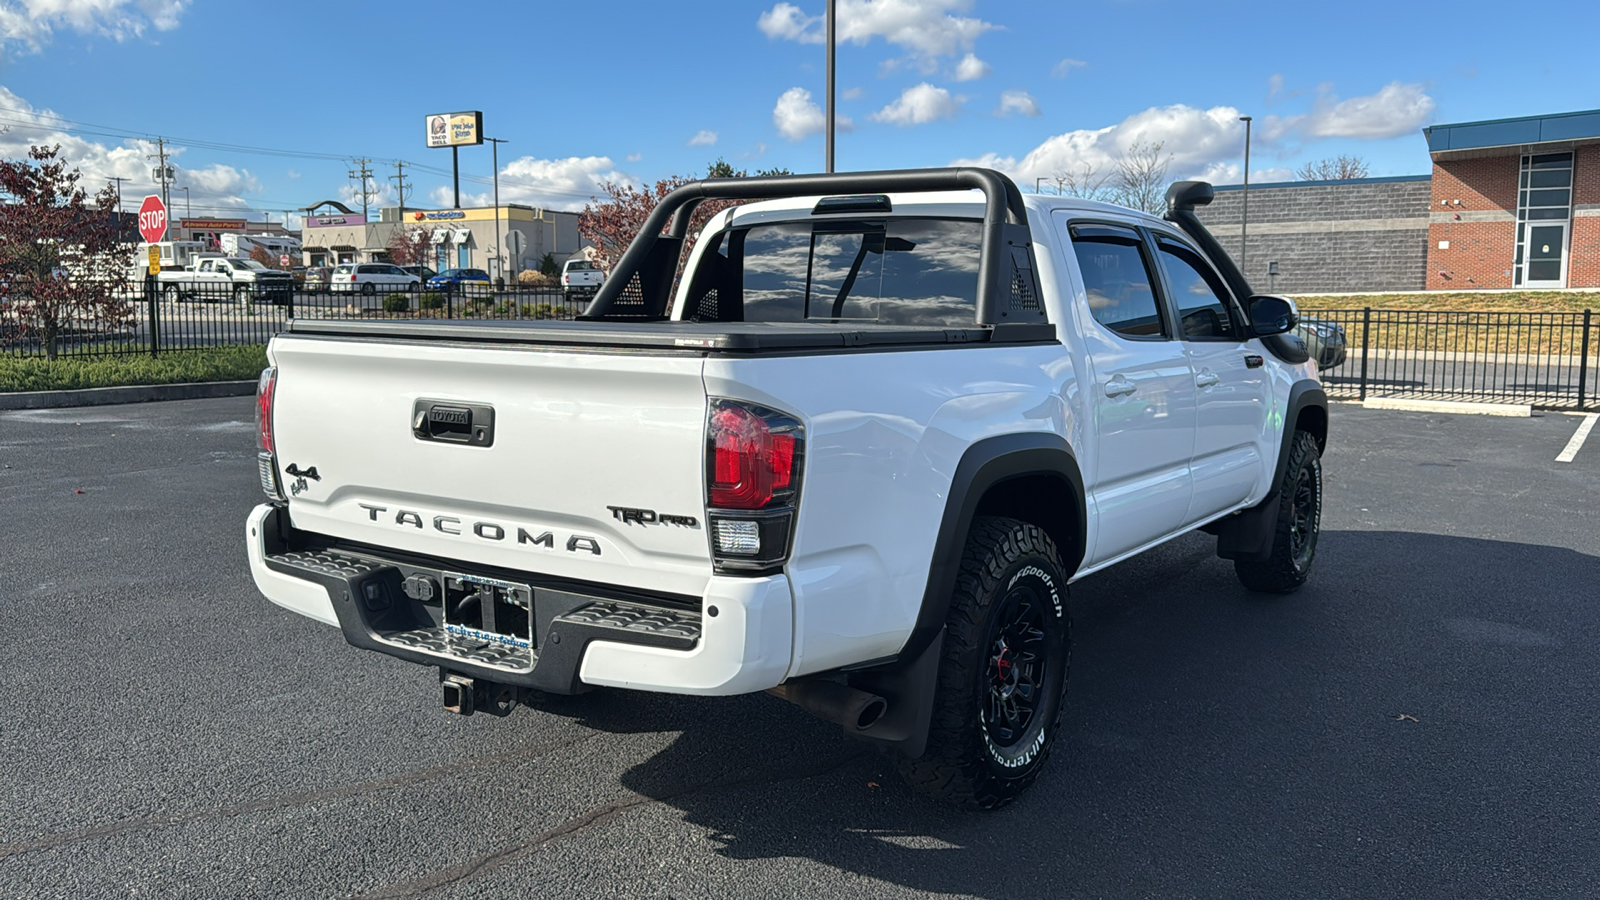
pixel 1007 250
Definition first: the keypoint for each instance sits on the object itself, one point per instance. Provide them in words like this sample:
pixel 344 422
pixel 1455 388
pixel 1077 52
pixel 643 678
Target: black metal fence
pixel 1546 359
pixel 1541 358
pixel 181 316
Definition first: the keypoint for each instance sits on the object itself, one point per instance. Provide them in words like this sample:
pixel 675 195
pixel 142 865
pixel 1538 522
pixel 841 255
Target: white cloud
pixel 703 138
pixel 1209 143
pixel 796 116
pixel 924 29
pixel 566 184
pixel 293 175
pixel 851 94
pixel 1274 85
pixel 30 24
pixel 1019 102
pixel 917 105
pixel 1195 139
pixel 786 22
pixel 1396 109
pixel 971 68
pixel 1064 68
pixel 213 190
pixel 634 157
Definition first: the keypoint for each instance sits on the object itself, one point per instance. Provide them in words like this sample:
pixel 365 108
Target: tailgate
pixel 573 434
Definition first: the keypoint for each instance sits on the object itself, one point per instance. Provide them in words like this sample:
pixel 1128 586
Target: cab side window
pixel 1118 280
pixel 1201 298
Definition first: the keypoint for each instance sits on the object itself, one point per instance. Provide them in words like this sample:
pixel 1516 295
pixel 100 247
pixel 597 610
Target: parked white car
pixel 371 278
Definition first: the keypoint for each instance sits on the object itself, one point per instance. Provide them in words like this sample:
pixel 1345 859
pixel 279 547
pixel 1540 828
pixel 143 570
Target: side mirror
pixel 1271 315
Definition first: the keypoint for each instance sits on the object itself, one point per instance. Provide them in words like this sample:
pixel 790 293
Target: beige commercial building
pixel 461 238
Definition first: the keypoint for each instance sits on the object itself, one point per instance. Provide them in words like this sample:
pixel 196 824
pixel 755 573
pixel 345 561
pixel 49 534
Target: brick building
pixel 1515 203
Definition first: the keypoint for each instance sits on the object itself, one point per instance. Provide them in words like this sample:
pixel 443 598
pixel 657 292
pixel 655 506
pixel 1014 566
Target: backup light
pixel 741 537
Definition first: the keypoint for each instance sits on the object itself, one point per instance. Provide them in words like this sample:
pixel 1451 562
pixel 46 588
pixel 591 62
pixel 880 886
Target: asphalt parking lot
pixel 1422 720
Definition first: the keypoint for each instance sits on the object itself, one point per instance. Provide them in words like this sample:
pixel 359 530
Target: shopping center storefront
pixel 471 238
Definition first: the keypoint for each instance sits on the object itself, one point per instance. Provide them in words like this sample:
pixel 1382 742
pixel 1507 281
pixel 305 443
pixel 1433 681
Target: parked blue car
pixel 456 280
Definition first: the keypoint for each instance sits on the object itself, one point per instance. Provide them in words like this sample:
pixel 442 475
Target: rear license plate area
pixel 479 611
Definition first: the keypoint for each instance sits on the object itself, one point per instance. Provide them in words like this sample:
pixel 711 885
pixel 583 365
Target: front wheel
pixel 1294 536
pixel 1003 673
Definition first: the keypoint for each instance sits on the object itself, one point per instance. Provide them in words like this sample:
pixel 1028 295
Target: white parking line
pixel 1578 437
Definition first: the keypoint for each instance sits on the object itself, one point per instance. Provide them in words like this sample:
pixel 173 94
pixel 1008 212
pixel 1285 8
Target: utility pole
pixel 399 179
pixel 499 239
pixel 162 173
pixel 119 182
pixel 365 175
pixel 832 23
pixel 1244 217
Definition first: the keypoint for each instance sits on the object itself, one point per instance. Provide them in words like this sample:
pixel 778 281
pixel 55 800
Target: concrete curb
pixel 142 393
pixel 1518 410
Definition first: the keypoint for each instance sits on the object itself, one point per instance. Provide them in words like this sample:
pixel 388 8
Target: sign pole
pixel 455 167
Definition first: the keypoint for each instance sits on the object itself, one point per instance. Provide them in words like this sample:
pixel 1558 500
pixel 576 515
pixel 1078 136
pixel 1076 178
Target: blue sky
pixel 636 91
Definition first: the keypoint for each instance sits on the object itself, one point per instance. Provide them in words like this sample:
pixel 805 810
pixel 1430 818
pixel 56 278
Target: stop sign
pixel 152 219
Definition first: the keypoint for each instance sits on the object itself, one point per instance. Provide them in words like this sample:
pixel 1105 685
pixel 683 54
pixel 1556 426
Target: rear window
pixel 899 271
pixel 580 265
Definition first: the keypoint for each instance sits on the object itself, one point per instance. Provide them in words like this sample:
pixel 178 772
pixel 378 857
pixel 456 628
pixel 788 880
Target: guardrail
pixel 187 316
pixel 1544 359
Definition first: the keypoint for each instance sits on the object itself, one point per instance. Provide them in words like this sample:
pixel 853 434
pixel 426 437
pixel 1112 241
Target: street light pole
pixel 832 23
pixel 185 201
pixel 499 239
pixel 1037 182
pixel 1244 216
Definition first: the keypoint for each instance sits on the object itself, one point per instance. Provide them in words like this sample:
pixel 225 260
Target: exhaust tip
pixel 871 712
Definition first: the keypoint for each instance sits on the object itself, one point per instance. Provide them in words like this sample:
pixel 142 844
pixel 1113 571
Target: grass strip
pixel 173 367
pixel 1474 301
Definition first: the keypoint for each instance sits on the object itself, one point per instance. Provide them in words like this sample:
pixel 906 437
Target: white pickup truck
pixel 580 279
pixel 216 278
pixel 854 461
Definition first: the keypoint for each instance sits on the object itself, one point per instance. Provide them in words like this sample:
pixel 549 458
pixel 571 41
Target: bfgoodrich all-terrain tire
pixel 1003 672
pixel 1294 536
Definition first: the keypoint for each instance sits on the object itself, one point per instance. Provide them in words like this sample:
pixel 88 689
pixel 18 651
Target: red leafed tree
pixel 63 262
pixel 611 224
pixel 411 246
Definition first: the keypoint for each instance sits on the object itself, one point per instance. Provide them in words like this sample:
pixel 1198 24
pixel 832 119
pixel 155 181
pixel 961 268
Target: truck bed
pixel 717 337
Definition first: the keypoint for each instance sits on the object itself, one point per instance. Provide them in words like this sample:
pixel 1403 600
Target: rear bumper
pixel 738 641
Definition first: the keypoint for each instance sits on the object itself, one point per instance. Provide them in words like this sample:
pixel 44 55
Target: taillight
pixel 267 459
pixel 754 457
pixel 264 390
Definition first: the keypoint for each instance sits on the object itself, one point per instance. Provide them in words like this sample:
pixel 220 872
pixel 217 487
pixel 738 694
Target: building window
pixel 1544 214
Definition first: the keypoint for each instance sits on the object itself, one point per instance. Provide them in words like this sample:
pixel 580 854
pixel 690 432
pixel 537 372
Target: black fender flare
pixel 987 463
pixel 1247 534
pixel 1304 393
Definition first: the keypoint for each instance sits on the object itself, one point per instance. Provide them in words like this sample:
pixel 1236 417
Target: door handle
pixel 1119 387
pixel 1207 379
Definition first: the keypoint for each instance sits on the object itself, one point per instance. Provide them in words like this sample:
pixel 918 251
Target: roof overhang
pixel 1513 137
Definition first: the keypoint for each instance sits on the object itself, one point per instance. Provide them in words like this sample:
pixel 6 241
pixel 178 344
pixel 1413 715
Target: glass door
pixel 1546 255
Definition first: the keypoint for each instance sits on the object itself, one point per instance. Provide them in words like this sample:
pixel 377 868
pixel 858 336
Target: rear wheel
pixel 1003 672
pixel 368 289
pixel 1294 537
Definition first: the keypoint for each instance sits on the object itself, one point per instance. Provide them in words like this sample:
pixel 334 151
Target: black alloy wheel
pixel 1017 667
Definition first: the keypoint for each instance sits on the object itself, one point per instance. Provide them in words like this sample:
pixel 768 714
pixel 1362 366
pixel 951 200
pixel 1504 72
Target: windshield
pixel 899 271
pixel 344 270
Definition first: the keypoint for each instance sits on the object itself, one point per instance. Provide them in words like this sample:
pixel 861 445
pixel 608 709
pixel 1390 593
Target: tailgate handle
pixel 453 422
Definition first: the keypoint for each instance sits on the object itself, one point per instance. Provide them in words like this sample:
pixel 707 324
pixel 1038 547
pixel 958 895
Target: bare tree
pixel 1084 181
pixel 1140 180
pixel 1334 168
